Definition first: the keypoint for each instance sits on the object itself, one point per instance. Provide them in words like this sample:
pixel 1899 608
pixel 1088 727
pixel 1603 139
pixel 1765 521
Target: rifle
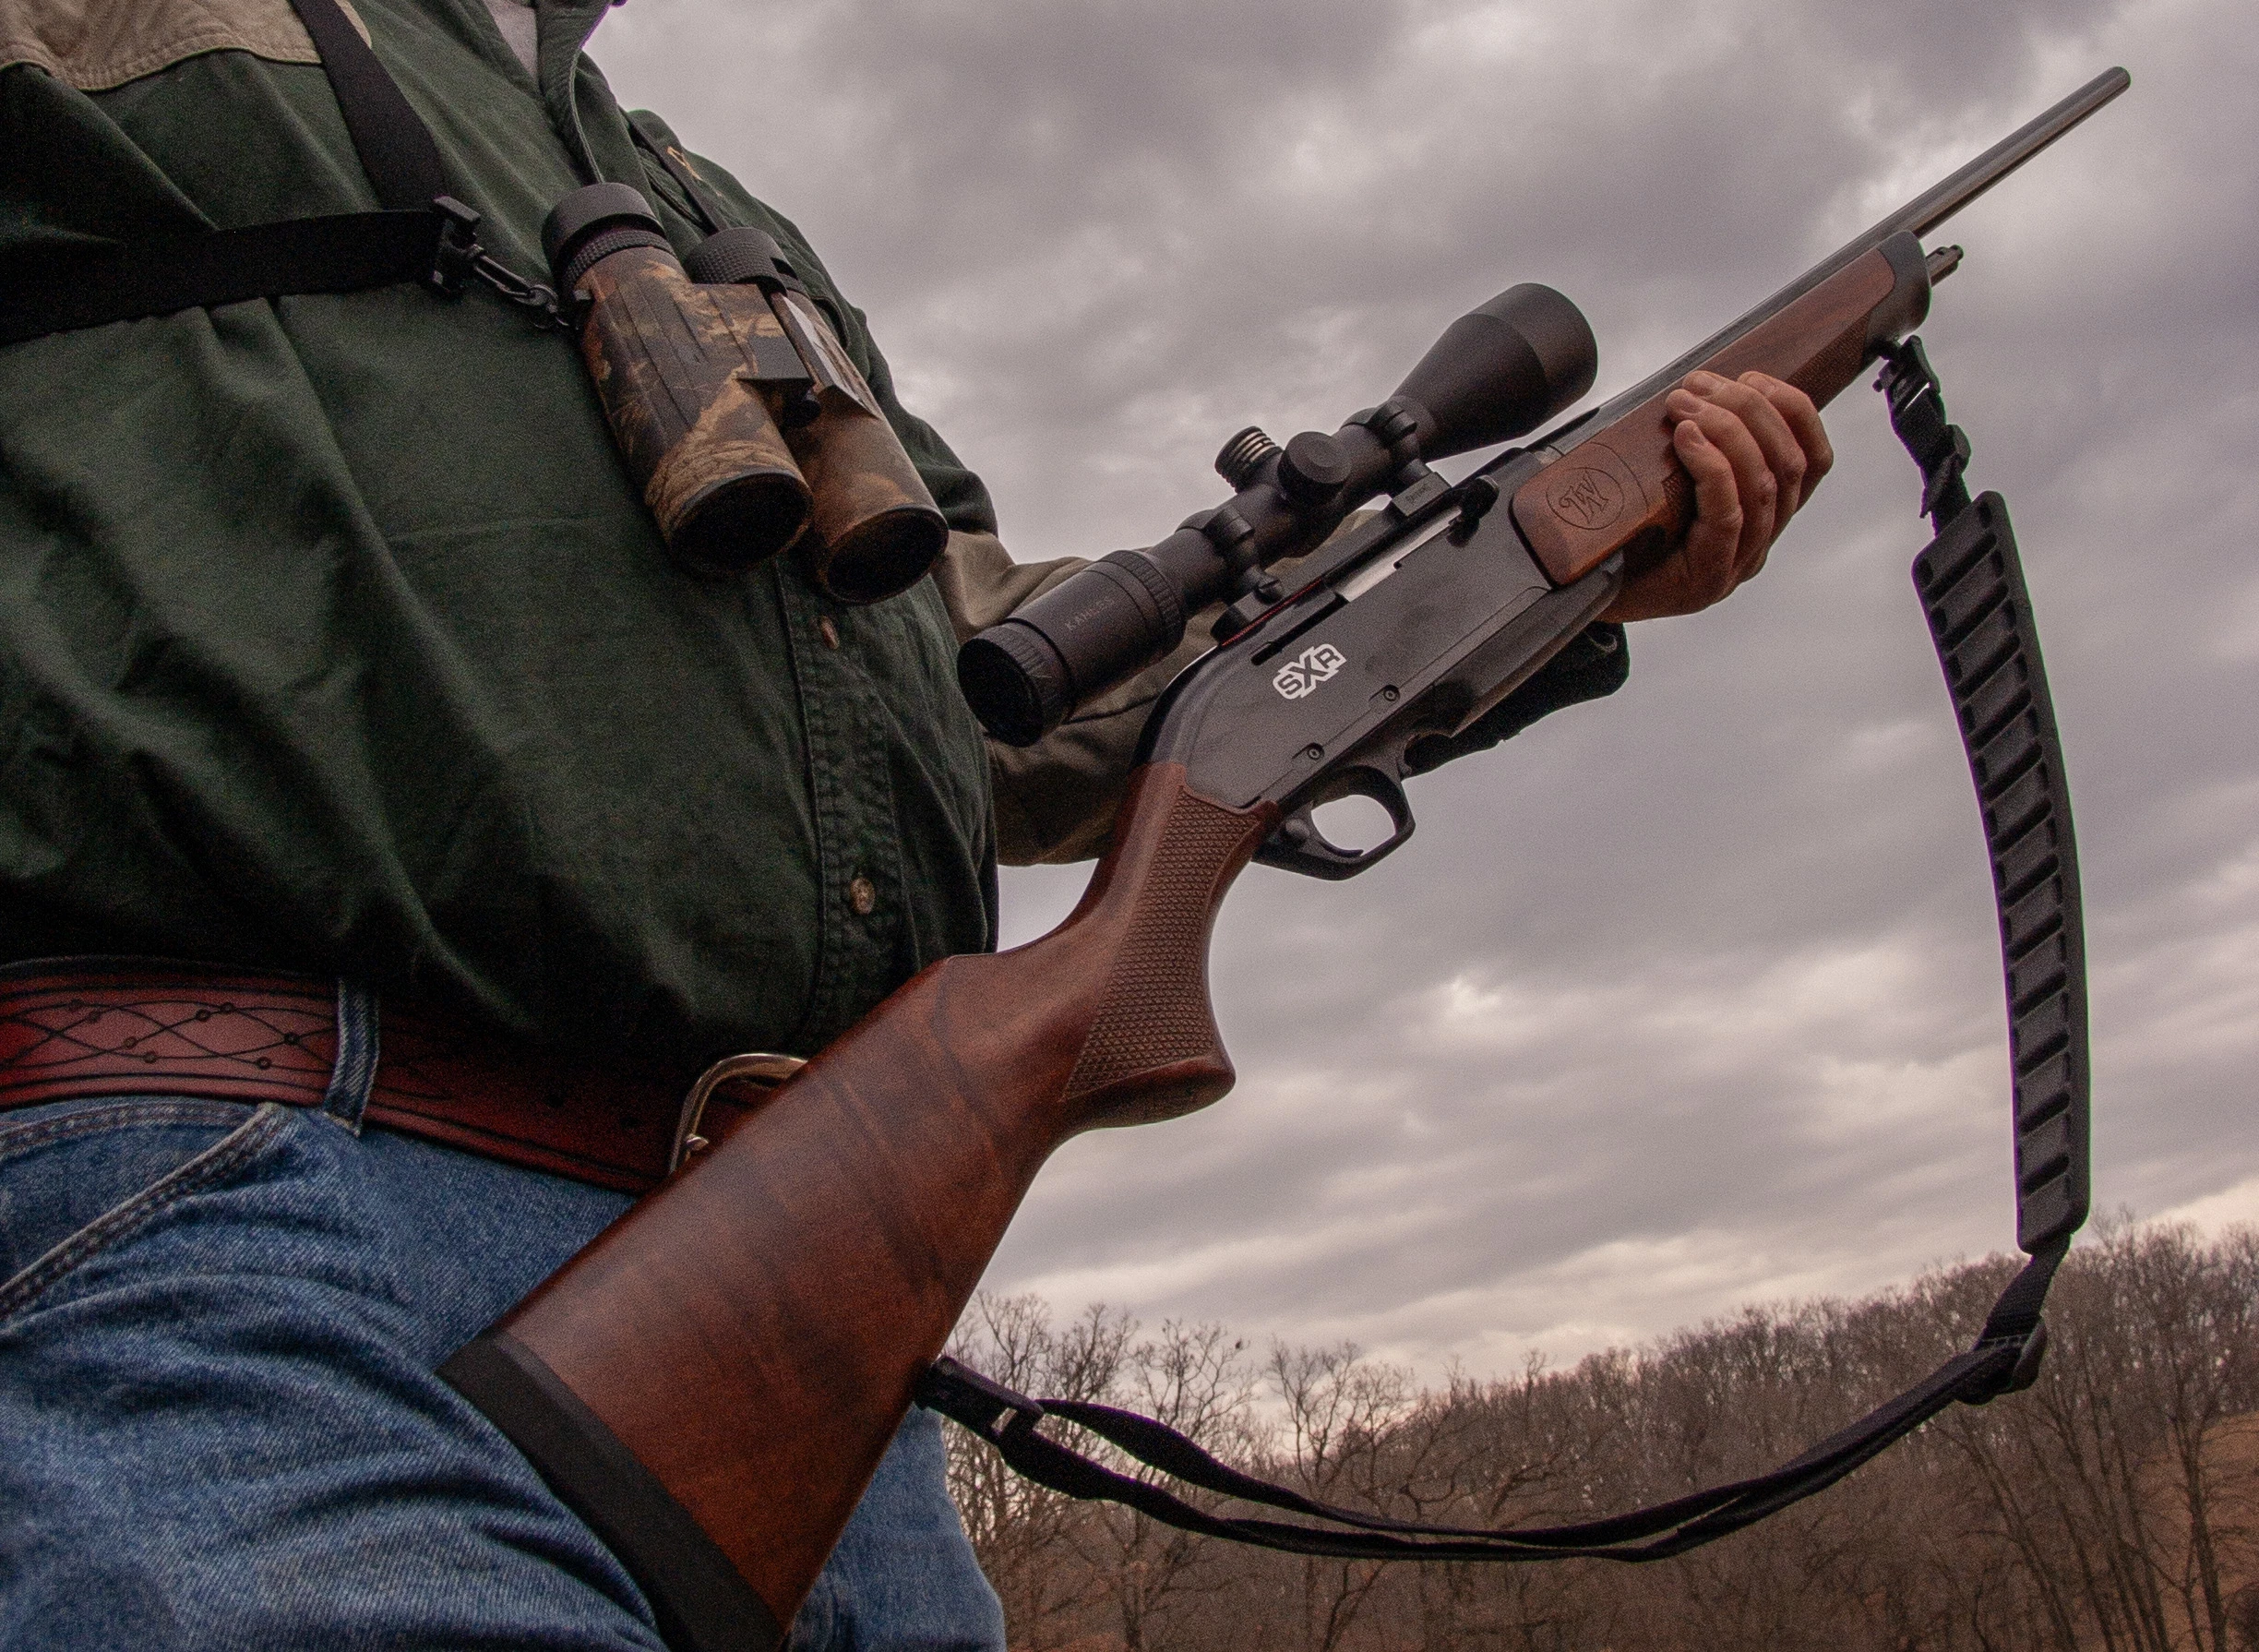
pixel 712 1382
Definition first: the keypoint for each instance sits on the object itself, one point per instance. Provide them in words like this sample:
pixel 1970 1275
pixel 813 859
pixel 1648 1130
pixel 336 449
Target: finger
pixel 1754 482
pixel 1711 555
pixel 1784 455
pixel 1803 420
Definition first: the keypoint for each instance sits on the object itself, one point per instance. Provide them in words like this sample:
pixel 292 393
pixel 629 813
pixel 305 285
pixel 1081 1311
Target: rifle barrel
pixel 1926 211
pixel 1921 215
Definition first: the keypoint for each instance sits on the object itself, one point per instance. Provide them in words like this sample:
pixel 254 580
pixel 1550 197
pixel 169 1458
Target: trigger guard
pixel 1298 845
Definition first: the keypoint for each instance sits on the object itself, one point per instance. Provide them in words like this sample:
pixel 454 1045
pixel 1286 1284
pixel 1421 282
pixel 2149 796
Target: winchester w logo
pixel 1587 498
pixel 1302 675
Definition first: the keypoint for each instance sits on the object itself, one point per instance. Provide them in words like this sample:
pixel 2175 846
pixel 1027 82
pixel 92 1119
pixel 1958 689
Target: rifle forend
pixel 1626 489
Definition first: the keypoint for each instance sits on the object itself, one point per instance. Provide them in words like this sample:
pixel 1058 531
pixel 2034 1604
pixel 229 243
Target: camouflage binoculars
pixel 734 405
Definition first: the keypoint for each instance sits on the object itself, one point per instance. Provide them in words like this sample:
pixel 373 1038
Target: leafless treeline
pixel 2112 1508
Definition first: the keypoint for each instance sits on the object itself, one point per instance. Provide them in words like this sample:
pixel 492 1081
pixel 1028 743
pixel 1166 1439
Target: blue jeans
pixel 220 1429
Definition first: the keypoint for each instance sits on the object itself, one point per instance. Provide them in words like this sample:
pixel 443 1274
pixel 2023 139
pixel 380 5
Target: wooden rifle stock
pixel 751 1333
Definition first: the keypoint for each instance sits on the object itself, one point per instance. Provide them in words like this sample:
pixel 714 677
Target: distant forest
pixel 2113 1507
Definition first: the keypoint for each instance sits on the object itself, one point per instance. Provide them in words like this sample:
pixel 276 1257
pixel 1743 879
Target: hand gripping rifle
pixel 712 1381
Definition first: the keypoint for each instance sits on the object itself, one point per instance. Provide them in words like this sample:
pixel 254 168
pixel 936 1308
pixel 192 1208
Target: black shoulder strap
pixel 421 234
pixel 395 145
pixel 1971 585
pixel 343 254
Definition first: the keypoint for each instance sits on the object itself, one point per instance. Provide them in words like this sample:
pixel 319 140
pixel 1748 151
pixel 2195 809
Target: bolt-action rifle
pixel 712 1381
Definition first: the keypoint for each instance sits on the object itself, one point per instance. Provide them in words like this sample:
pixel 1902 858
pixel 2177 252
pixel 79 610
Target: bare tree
pixel 2114 1507
pixel 1342 1413
pixel 2105 1477
pixel 1021 1531
pixel 1195 1379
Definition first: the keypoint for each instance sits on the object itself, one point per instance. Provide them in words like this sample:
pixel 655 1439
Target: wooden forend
pixel 1624 489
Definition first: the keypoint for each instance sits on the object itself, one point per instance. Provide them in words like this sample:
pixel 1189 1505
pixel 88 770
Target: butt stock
pixel 741 1349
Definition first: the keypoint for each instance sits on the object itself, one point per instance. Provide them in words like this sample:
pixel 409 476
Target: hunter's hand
pixel 1755 449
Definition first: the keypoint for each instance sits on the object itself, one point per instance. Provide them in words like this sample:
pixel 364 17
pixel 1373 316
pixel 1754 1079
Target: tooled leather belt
pixel 71 1028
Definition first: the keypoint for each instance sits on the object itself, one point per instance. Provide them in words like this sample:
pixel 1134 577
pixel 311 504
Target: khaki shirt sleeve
pixel 1054 800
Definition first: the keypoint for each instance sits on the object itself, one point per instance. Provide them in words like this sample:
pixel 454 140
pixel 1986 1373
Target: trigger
pixel 1300 846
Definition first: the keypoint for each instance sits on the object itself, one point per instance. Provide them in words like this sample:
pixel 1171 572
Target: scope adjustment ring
pixel 1243 456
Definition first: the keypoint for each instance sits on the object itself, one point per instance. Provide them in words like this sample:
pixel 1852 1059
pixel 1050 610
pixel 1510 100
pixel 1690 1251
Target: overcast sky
pixel 1690 997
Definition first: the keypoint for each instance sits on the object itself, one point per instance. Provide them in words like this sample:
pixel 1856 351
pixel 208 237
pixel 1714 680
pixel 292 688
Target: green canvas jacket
pixel 334 637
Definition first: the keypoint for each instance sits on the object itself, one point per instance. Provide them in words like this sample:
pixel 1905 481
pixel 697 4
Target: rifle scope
pixel 1500 369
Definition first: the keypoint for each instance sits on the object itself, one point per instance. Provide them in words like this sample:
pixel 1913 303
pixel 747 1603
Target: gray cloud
pixel 1691 995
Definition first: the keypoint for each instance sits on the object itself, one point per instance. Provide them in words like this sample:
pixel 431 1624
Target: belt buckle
pixel 759 1066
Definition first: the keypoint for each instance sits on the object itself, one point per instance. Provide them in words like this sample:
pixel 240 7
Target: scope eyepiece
pixel 1098 625
pixel 1016 679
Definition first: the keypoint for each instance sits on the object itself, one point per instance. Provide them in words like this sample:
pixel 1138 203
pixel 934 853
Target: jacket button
pixel 828 631
pixel 863 895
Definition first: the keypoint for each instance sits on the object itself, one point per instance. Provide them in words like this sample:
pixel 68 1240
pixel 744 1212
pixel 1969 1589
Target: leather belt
pixel 75 1028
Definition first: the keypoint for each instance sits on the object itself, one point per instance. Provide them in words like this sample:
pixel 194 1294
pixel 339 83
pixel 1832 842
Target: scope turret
pixel 1501 369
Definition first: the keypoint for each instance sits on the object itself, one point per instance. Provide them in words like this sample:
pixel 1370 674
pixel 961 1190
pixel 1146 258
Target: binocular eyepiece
pixel 735 405
pixel 1498 371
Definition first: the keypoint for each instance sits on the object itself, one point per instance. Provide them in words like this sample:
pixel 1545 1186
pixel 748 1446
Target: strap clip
pixel 459 259
pixel 455 258
pixel 1917 413
pixel 965 1396
pixel 2014 1325
pixel 1993 1380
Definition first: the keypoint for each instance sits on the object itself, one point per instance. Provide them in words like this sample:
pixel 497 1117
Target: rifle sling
pixel 1971 585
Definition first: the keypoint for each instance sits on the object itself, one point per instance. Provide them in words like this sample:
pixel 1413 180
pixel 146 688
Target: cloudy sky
pixel 1690 997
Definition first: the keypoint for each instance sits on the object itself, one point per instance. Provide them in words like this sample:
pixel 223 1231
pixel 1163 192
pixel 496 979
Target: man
pixel 339 656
